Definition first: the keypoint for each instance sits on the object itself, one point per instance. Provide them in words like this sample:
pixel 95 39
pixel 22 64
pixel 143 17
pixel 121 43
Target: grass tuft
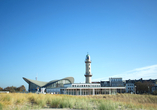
pixel 1 106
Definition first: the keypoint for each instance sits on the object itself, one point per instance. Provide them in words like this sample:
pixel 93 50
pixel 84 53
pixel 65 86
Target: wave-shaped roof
pixel 41 83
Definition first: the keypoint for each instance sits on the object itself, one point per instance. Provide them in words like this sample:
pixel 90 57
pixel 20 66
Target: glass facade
pixel 90 91
pixel 58 84
pixel 32 87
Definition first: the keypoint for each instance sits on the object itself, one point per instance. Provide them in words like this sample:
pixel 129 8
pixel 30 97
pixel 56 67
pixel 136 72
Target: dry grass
pixel 21 101
pixel 132 100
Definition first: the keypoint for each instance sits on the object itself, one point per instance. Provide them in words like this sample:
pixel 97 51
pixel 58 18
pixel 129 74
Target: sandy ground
pixel 56 109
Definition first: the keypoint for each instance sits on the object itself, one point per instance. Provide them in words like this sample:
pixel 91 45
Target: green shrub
pixel 41 103
pixel 55 103
pixel 64 104
pixel 155 92
pixel 107 106
pixel 7 98
pixel 1 106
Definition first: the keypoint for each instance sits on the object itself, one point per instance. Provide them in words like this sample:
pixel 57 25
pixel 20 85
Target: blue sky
pixel 50 39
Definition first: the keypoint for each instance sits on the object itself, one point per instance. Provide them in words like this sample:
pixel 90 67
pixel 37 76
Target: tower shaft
pixel 88 74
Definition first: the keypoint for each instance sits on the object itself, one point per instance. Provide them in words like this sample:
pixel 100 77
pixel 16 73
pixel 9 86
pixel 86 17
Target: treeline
pixel 14 89
pixel 143 87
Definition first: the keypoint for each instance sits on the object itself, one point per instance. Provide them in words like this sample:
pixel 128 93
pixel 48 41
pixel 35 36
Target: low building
pixel 90 89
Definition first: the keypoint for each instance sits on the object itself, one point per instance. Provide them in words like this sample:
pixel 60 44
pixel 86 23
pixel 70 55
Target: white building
pixel 89 89
pixel 130 87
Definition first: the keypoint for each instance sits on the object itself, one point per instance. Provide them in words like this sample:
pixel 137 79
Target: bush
pixel 55 103
pixel 155 92
pixel 1 106
pixel 107 106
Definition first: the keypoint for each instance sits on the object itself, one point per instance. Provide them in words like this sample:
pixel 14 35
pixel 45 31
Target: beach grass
pixel 23 101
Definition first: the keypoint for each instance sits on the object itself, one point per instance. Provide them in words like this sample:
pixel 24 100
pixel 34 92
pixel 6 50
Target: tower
pixel 88 74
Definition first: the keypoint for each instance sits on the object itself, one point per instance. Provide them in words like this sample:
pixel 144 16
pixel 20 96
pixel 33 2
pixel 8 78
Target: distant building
pixel 154 88
pixel 153 81
pixel 116 82
pixel 130 87
pixel 105 83
pixel 144 87
pixel 113 82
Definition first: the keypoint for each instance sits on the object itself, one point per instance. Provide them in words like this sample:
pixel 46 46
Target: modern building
pixel 67 85
pixel 35 85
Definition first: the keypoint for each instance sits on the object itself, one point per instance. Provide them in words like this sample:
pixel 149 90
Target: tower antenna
pixel 36 76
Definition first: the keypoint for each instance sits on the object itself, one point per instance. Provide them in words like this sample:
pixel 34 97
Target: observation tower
pixel 88 74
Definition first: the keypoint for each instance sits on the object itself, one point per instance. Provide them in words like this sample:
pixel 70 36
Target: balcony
pixel 88 75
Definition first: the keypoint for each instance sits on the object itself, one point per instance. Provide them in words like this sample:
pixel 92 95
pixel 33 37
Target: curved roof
pixel 41 83
pixel 71 79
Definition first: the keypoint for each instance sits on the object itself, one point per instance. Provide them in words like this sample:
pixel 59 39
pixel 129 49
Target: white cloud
pixel 148 72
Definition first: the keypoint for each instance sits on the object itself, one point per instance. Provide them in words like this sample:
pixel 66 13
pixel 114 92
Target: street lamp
pixel 148 89
pixel 135 89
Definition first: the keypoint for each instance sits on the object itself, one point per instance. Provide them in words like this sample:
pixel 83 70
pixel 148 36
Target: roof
pixel 41 83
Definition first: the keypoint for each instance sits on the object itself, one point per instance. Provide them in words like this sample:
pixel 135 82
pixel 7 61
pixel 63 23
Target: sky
pixel 49 39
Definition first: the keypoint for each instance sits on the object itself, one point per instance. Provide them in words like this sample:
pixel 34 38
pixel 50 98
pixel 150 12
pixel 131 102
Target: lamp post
pixel 135 89
pixel 148 89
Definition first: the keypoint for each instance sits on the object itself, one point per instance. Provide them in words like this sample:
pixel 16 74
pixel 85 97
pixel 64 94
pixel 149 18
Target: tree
pixel 1 89
pixel 21 88
pixel 144 87
pixel 15 89
pixel 10 89
pixel 155 92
